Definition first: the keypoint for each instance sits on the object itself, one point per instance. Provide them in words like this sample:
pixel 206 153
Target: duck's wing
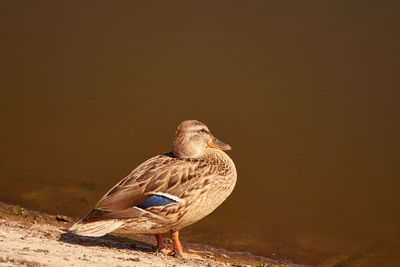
pixel 159 181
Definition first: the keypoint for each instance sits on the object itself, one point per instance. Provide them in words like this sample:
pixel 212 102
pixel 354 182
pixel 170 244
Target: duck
pixel 167 192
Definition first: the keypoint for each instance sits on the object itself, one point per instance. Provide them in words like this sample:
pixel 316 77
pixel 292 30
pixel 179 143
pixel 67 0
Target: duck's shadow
pixel 109 241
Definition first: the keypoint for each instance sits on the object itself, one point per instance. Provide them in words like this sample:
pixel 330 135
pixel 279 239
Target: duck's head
pixel 193 138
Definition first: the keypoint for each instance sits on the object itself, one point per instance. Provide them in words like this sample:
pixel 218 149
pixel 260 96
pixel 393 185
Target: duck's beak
pixel 215 143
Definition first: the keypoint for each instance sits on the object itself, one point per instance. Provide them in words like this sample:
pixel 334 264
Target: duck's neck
pixel 183 149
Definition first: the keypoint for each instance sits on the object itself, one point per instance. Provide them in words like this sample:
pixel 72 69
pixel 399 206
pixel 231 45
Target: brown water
pixel 306 93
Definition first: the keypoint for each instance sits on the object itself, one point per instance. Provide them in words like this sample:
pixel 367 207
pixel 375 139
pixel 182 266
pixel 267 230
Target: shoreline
pixel 32 238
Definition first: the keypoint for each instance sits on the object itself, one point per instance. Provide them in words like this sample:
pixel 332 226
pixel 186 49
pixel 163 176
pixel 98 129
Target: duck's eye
pixel 203 130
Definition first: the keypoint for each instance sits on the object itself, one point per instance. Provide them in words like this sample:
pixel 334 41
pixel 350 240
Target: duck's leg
pixel 176 242
pixel 177 251
pixel 160 244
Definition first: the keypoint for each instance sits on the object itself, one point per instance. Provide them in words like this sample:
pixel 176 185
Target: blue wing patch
pixel 155 200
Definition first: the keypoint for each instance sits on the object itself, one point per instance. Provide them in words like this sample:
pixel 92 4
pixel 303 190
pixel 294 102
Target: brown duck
pixel 169 191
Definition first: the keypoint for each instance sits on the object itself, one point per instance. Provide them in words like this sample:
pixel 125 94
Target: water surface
pixel 306 93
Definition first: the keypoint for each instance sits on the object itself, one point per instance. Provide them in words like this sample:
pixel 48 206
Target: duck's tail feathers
pixel 97 228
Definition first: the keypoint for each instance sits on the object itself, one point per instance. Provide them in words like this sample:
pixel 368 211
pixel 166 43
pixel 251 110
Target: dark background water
pixel 306 93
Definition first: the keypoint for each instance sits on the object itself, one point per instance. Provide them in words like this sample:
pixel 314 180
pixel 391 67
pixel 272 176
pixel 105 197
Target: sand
pixel 30 238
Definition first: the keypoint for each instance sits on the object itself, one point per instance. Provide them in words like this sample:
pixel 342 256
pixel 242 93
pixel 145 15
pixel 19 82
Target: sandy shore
pixel 29 238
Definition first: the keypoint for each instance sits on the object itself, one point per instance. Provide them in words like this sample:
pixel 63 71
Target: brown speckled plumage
pixel 197 173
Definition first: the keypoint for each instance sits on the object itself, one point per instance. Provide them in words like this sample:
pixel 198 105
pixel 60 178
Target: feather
pixel 98 228
pixel 156 200
pixel 158 175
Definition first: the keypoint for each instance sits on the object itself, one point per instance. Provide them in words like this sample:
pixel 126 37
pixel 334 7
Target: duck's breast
pixel 212 189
